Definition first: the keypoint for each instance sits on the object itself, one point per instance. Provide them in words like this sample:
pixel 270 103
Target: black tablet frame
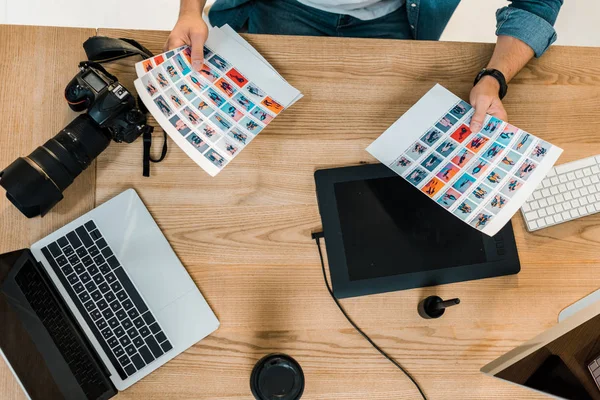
pixel 501 250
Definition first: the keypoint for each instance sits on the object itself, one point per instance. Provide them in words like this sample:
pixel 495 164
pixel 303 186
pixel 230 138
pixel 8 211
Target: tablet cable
pixel 317 237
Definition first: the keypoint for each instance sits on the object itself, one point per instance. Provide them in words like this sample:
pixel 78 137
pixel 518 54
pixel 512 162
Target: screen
pixel 389 228
pixel 17 346
pixel 560 367
pixel 94 81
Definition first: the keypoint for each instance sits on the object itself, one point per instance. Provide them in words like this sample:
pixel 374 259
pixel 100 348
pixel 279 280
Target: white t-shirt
pixel 361 9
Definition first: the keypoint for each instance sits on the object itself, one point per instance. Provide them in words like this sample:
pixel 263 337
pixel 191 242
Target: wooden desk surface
pixel 244 236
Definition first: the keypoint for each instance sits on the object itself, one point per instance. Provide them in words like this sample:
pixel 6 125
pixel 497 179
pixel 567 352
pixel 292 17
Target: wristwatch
pixel 499 76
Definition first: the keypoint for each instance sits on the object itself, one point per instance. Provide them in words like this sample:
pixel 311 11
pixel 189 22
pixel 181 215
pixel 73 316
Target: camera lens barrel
pixel 34 184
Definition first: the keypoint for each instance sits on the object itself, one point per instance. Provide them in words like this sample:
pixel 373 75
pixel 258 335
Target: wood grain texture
pixel 36 65
pixel 244 236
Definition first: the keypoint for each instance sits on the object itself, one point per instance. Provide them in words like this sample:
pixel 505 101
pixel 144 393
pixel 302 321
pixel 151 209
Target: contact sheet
pixel 482 178
pixel 214 113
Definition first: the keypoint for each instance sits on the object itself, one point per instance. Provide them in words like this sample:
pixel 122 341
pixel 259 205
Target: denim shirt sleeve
pixel 531 21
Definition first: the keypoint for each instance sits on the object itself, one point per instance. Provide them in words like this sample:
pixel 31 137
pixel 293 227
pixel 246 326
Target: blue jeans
pixel 289 17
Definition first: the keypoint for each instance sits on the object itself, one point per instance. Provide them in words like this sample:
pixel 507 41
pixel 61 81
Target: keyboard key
pixel 104 288
pixel 146 355
pixel 107 252
pixel 85 277
pixel 568 196
pixel 130 349
pixel 137 361
pixel 543 203
pixel 532 225
pixel 73 259
pixel 542 212
pixel 526 207
pixel 575 203
pixel 563 178
pixel 594 179
pixel 584 191
pixel 67 270
pixel 73 279
pixel 87 261
pixel 104 268
pixel 148 318
pixel 113 323
pixel 554 181
pixel 549 220
pixel 155 328
pixel 99 260
pixel 582 211
pixel 96 295
pixel 90 306
pixel 597 207
pixel 78 287
pixel 92 270
pixel 587 171
pixel 102 304
pixel 127 304
pixel 161 337
pixel 101 243
pixel 73 239
pixel 109 296
pixel 554 190
pixel 81 252
pixel 79 268
pixel 116 286
pixel 545 193
pixel 578 174
pixel 566 215
pixel 551 201
pixel 559 208
pixel 578 184
pixel 110 278
pixel 90 225
pixel 84 236
pixel 545 183
pixel 535 205
pixel 124 340
pixel 583 201
pixel 570 185
pixel 130 370
pixel 586 181
pixel 101 324
pixel 560 198
pixel 54 249
pixel 90 286
pixel 113 342
pixel 132 332
pixel 84 297
pixel 119 332
pixel 115 306
pixel 95 315
pixel 124 360
pixel 127 323
pixel 138 341
pixel 108 313
pixel 112 261
pixel 531 215
pixel 574 213
pixel 62 242
pixel 122 295
pixel 99 279
pixel 133 313
pixel 562 188
pixel 166 346
pixel 558 218
pixel 129 288
pixel 590 209
pixel 94 251
pixel 144 331
pixel 62 261
pixel 537 194
pixel 138 322
pixel 121 314
pixel 68 250
pixel 154 347
pixel 106 332
pixel 95 235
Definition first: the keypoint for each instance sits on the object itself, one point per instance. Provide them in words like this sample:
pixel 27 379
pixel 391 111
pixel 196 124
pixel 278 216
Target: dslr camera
pixel 34 184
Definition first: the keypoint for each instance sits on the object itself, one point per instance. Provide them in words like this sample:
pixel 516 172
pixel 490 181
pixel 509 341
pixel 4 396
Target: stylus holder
pixel 434 306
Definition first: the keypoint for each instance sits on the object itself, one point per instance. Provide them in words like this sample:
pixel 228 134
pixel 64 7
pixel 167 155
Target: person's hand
pixel 191 30
pixel 484 97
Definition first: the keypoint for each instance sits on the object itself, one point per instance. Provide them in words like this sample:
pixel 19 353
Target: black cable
pixel 317 237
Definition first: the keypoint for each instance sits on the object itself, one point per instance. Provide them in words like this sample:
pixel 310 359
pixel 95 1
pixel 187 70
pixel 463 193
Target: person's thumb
pixel 197 39
pixel 481 107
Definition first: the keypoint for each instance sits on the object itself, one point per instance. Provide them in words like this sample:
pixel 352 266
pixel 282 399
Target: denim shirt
pixel 531 21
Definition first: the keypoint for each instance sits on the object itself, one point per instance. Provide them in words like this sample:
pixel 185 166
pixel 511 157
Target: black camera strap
pixel 101 49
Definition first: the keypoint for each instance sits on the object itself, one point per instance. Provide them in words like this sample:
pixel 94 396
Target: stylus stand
pixel 434 306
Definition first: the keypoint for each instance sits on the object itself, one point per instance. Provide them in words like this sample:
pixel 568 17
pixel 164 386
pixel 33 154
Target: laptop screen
pixel 17 347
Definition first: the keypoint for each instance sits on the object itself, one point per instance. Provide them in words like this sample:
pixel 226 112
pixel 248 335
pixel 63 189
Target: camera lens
pixel 34 184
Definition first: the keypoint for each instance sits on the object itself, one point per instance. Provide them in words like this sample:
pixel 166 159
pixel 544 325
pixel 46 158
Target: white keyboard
pixel 568 192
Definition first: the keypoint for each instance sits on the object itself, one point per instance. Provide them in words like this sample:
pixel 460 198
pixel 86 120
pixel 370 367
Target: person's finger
pixel 497 110
pixel 481 108
pixel 197 39
pixel 174 42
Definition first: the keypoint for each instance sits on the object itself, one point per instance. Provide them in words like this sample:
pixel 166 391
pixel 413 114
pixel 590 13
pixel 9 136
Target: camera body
pixel 34 184
pixel 107 102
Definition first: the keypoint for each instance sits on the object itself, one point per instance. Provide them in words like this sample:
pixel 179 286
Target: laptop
pixel 97 305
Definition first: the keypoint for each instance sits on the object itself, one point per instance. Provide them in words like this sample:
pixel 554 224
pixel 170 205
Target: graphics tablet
pixel 382 234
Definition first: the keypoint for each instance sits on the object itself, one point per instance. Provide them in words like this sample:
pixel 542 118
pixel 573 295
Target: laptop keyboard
pixel 105 296
pixel 52 316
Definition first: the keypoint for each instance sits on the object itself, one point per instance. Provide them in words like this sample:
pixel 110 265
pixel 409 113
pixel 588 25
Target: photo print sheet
pixel 213 114
pixel 482 178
